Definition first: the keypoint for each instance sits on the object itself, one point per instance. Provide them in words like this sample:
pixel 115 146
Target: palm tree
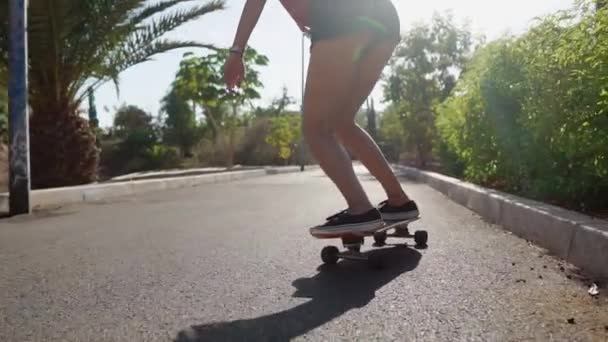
pixel 3 101
pixel 75 45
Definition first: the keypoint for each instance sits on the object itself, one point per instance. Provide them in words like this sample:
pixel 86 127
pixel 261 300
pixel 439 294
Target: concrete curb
pixel 96 192
pixel 178 173
pixel 577 238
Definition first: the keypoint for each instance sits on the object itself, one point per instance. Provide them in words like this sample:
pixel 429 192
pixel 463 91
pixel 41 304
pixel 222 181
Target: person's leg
pixel 331 74
pixel 355 138
pixel 398 205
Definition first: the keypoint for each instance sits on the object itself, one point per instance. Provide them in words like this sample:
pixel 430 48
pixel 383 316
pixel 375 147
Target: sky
pixel 277 37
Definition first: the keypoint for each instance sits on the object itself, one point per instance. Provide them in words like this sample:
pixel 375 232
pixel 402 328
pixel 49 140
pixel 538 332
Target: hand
pixel 234 71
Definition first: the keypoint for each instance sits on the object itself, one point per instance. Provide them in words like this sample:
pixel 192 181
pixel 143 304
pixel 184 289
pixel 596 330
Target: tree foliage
pixel 285 132
pixel 199 81
pixel 129 119
pixel 74 45
pixel 135 144
pixel 3 110
pixel 181 128
pixel 423 73
pixel 530 113
pixel 392 134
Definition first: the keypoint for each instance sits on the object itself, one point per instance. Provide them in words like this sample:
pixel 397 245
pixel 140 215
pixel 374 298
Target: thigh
pixel 342 73
pixel 369 70
pixel 332 71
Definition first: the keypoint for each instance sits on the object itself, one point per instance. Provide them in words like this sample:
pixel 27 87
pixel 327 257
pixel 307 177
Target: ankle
pixel 398 200
pixel 359 210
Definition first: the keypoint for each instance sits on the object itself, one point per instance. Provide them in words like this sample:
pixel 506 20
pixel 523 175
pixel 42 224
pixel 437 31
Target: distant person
pixel 351 43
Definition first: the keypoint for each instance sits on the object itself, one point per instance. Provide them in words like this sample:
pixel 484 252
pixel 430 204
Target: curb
pixel 178 173
pixel 577 238
pixel 96 192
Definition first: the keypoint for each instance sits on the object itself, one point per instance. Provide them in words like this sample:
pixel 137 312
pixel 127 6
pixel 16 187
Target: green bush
pixel 134 145
pixel 123 157
pixel 530 115
pixel 161 157
pixel 254 150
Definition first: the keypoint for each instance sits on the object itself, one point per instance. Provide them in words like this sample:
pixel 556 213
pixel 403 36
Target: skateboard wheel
pixel 380 238
pixel 329 255
pixel 421 237
pixel 375 261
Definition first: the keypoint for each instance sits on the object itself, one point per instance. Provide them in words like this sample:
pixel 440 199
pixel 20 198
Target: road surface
pixel 234 261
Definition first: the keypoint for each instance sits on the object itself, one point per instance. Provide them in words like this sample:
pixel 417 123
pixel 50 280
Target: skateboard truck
pixel 352 243
pixel 331 254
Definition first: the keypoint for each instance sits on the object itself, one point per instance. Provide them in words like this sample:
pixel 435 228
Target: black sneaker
pixel 407 211
pixel 345 223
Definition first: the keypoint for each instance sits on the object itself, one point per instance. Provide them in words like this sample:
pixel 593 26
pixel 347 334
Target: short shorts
pixel 334 18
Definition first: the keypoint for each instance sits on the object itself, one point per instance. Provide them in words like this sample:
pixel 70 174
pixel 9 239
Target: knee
pixel 313 129
pixel 345 130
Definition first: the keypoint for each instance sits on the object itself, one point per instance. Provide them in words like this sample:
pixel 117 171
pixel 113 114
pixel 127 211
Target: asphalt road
pixel 235 261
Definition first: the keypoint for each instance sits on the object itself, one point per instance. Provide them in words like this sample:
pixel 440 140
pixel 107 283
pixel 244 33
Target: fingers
pixel 230 79
pixel 234 80
pixel 233 75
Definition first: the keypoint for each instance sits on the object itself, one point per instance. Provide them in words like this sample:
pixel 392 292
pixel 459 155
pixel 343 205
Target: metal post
pixel 19 161
pixel 302 86
pixel 301 142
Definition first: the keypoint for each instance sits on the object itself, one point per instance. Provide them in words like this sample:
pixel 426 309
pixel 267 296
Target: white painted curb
pixel 577 238
pixel 96 192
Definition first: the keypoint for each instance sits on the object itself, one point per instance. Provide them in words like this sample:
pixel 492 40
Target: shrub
pixel 530 114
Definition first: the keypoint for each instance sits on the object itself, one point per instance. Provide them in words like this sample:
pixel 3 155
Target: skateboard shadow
pixel 333 291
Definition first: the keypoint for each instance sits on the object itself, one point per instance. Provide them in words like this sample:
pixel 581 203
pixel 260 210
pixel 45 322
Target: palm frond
pixel 159 7
pixel 142 43
pixel 101 30
pixel 73 42
pixel 127 59
pixel 145 52
pixel 166 23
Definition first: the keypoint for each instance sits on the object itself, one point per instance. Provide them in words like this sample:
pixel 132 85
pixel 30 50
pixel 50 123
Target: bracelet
pixel 236 49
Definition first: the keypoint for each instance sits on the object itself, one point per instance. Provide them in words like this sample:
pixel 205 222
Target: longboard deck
pixel 388 225
pixel 354 242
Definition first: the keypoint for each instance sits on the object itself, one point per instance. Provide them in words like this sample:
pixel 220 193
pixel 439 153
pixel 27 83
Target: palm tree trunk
pixel 63 148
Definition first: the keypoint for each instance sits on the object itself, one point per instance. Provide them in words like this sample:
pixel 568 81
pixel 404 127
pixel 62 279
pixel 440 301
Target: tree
pixel 3 112
pixel 181 128
pixel 134 144
pixel 74 45
pixel 199 80
pixel 371 119
pixel 530 113
pixel 3 96
pixel 93 121
pixel 129 119
pixel 392 134
pixel 422 75
pixel 284 134
pixel 280 104
pixel 277 107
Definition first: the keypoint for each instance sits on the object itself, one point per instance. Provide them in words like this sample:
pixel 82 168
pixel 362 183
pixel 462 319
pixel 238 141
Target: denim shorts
pixel 334 18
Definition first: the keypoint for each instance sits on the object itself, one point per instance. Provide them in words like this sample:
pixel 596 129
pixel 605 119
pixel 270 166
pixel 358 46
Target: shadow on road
pixel 333 291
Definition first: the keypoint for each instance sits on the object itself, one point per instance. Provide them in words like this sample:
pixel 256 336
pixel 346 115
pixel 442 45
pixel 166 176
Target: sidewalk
pixel 40 199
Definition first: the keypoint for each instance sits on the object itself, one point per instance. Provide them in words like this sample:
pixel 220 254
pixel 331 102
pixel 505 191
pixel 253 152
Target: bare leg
pixel 331 74
pixel 361 144
pixel 355 138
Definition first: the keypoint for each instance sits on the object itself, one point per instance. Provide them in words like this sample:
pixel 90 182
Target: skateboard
pixel 353 242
